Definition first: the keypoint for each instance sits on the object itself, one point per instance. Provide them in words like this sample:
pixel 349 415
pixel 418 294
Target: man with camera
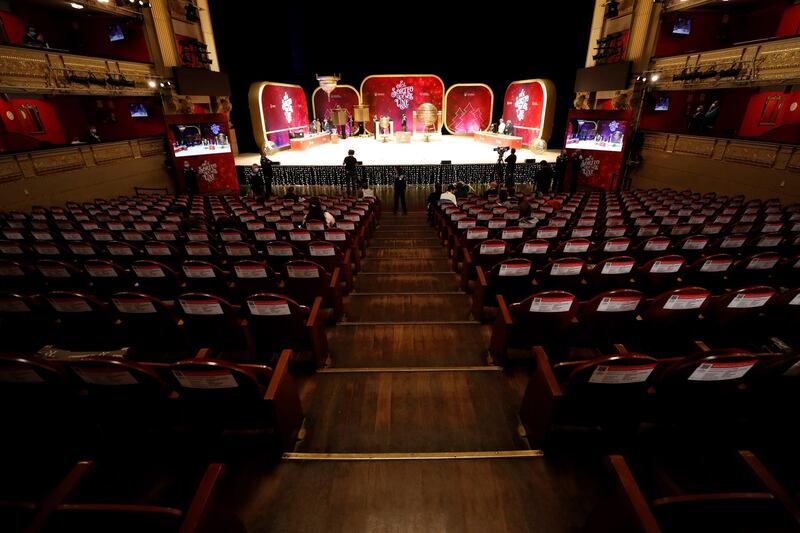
pixel 511 167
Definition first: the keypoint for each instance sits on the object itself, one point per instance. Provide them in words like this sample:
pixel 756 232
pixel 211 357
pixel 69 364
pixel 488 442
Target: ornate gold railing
pixel 15 167
pixel 766 63
pixel 44 70
pixel 761 154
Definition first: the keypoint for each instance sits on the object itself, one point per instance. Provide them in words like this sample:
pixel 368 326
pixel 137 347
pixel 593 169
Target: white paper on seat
pixel 514 270
pixel 566 269
pixel 296 271
pixel 721 371
pixel 200 272
pixel 101 271
pixel 749 301
pixel 618 304
pixel 19 375
pixel 201 307
pixel 106 376
pixel 250 271
pixel 716 265
pixel 206 379
pixel 618 267
pixel 666 267
pixel 134 305
pixel 684 301
pixel 551 304
pixel 618 375
pixel 269 308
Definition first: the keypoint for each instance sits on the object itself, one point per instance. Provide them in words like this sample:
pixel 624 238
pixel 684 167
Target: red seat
pixel 563 274
pixel 711 272
pixel 740 315
pixel 540 319
pixel 252 276
pixel 304 281
pixel 513 279
pixel 157 279
pixel 202 276
pixel 211 322
pixel 660 274
pixel 84 323
pixel 611 273
pixel 56 275
pixel 610 317
pixel 106 277
pixel 277 323
pixel 25 325
pixel 672 318
pixel 150 327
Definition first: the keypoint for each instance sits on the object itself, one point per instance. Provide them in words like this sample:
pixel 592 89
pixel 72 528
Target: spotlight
pixel 74 5
pixel 654 78
pixel 151 84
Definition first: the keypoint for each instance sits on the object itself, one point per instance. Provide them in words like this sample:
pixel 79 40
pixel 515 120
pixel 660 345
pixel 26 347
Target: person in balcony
pixel 710 119
pixel 32 37
pixel 92 137
pixel 697 119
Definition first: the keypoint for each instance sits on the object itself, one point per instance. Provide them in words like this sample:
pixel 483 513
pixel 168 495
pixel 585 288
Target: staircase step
pixel 407 308
pixel 407 282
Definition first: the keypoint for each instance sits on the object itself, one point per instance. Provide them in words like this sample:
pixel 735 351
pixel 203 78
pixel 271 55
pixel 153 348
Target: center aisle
pixel 409 429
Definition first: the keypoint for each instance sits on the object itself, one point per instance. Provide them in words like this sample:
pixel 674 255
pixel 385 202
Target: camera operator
pixel 498 169
pixel 511 167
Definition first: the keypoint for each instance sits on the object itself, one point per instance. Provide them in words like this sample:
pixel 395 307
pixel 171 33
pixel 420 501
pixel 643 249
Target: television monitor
pixel 662 103
pixel 199 139
pixel 600 135
pixel 115 33
pixel 683 26
pixel 138 111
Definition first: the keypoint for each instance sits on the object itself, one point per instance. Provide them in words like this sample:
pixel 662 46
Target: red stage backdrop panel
pixel 280 107
pixel 468 107
pixel 204 142
pixel 344 96
pixel 395 94
pixel 529 105
pixel 601 137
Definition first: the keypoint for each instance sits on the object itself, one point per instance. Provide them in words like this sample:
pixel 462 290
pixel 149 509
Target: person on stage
pixel 400 190
pixel 509 128
pixel 511 167
pixel 501 127
pixel 350 163
pixel 404 123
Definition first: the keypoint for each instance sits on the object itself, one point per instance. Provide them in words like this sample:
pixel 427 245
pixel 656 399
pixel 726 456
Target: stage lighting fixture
pixel 151 84
pixel 655 77
pixel 74 5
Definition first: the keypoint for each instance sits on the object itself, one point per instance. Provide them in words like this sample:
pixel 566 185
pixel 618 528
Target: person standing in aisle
pixel 400 190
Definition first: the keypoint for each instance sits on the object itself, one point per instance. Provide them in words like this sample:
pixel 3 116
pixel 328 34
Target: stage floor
pixel 457 149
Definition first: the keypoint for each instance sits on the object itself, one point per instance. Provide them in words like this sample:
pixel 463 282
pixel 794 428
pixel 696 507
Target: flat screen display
pixel 138 111
pixel 200 139
pixel 602 135
pixel 115 33
pixel 662 103
pixel 683 26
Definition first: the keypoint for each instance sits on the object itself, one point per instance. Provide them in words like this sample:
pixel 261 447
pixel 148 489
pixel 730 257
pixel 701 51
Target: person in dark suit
pixel 189 178
pixel 577 161
pixel 560 171
pixel 400 190
pixel 350 163
pixel 511 167
pixel 544 177
pixel 266 171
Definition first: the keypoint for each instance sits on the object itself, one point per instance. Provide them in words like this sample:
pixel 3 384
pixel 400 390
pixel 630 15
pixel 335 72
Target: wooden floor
pixel 461 496
pixel 408 375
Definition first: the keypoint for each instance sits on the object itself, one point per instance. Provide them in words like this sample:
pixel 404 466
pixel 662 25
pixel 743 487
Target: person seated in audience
pixel 32 37
pixel 317 212
pixel 503 200
pixel 462 189
pixel 526 221
pixel 491 191
pixel 433 199
pixel 366 192
pixel 449 196
pixel 554 203
pixel 92 137
pixel 291 195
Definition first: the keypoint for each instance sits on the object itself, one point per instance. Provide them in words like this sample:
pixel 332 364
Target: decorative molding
pixel 769 63
pixel 760 154
pixel 29 165
pixel 679 5
pixel 29 70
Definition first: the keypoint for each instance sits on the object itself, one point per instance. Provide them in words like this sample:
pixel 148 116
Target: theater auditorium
pixel 271 267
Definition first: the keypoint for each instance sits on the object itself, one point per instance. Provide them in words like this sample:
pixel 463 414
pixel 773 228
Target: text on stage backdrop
pixel 344 96
pixel 276 108
pixel 530 105
pixel 468 108
pixel 393 95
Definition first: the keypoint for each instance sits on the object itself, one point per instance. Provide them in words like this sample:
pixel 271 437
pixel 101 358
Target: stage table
pixel 402 137
pixel 498 139
pixel 309 141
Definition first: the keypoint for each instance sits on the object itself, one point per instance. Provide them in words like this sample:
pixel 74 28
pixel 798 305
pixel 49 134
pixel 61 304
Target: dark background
pixel 490 43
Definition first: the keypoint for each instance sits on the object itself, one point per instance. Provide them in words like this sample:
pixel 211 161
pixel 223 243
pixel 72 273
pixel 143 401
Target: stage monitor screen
pixel 683 26
pixel 138 111
pixel 662 103
pixel 200 139
pixel 115 33
pixel 601 135
pixel 614 77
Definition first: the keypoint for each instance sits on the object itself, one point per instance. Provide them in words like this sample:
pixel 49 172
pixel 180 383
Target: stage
pixel 454 148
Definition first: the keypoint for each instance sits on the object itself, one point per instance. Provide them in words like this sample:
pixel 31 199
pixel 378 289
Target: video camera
pixel 501 150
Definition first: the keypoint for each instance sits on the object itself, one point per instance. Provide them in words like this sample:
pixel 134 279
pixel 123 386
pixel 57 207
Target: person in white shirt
pixel 366 192
pixel 501 127
pixel 449 195
pixel 316 212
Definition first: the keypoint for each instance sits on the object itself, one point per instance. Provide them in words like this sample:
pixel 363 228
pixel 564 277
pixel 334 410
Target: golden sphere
pixel 427 114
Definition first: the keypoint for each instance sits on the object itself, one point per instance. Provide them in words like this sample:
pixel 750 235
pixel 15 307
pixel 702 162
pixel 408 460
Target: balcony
pixel 766 63
pixel 26 165
pixel 680 5
pixel 754 153
pixel 51 71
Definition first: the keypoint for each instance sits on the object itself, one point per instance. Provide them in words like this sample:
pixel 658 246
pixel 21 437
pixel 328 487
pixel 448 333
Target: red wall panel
pixel 524 105
pixel 468 107
pixel 283 106
pixel 392 95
